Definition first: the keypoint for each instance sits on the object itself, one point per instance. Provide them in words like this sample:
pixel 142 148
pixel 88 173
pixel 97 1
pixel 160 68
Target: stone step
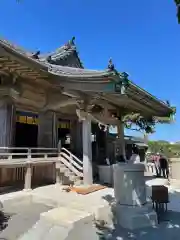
pixel 74 178
pixel 78 182
pixel 69 173
pixel 64 223
pixel 63 169
pixel 24 216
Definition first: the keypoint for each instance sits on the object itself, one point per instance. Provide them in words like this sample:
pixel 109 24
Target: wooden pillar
pixel 58 173
pixel 87 152
pixel 54 130
pixel 76 137
pixel 47 130
pixel 7 122
pixel 28 176
pixel 7 127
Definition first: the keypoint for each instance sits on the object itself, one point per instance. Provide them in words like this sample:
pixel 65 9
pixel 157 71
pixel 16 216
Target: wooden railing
pixel 22 156
pixel 34 163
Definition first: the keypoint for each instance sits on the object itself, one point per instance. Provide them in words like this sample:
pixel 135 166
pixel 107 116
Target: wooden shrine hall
pixel 47 98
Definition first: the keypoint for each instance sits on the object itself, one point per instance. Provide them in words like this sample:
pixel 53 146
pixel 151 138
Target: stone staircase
pixel 70 168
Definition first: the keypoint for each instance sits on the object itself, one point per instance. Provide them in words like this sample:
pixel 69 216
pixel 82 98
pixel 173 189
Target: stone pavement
pixel 23 217
pixel 26 213
pixel 167 230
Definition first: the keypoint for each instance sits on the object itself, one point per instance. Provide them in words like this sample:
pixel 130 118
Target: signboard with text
pixel 30 118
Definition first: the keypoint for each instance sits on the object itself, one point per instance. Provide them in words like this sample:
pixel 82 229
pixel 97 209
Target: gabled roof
pixel 66 55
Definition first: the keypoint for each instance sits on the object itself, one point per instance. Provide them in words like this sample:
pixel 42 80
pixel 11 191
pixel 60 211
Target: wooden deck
pixel 26 165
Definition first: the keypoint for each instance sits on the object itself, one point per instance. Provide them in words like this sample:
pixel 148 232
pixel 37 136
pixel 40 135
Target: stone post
pixel 130 194
pixel 87 152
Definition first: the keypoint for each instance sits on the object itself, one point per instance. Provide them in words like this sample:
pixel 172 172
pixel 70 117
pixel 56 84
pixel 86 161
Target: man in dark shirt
pixel 164 166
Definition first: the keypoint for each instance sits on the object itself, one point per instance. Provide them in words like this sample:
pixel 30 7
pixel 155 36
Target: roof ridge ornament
pixel 124 75
pixel 168 103
pixel 70 43
pixel 36 55
pixel 111 65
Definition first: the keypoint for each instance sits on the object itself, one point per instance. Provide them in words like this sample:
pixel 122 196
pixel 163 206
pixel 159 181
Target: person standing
pixel 157 164
pixel 135 158
pixel 164 166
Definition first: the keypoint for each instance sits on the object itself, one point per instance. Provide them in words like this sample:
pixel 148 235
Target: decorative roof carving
pixel 111 65
pixel 36 55
pixel 70 44
pixel 124 75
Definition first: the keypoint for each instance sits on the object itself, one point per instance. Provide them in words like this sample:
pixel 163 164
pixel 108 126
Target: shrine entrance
pixel 64 133
pixel 26 130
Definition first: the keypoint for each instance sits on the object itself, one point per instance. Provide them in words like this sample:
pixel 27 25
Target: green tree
pixel 177 2
pixel 164 147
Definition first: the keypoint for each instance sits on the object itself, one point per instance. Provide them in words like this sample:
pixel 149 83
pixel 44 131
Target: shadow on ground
pixel 4 218
pixel 169 227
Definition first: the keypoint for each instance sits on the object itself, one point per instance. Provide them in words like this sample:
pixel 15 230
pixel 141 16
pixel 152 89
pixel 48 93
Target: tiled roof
pixel 53 64
pixel 66 55
pixel 71 72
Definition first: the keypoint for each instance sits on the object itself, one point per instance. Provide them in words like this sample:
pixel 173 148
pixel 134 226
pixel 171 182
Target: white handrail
pixel 26 148
pixel 73 163
pixel 78 167
pixel 71 154
pixel 70 166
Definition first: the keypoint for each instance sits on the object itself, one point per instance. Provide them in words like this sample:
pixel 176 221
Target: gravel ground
pixel 22 217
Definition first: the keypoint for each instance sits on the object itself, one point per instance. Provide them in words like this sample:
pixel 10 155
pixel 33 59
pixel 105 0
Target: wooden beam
pixel 158 106
pixel 144 102
pixel 4 73
pixel 132 105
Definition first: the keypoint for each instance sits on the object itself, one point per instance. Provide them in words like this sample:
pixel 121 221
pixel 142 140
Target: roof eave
pixel 21 57
pixel 165 109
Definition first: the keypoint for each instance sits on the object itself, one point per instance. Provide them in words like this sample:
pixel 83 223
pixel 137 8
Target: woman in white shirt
pixel 135 158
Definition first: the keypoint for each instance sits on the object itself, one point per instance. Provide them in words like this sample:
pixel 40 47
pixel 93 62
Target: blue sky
pixel 142 37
